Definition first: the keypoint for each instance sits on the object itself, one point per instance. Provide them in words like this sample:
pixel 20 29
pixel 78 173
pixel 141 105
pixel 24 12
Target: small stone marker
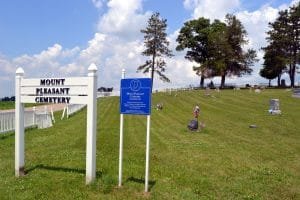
pixel 296 92
pixel 274 107
pixel 257 91
pixel 207 91
pixel 253 126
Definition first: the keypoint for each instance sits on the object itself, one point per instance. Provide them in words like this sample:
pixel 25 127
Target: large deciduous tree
pixel 217 47
pixel 193 36
pixel 156 43
pixel 238 62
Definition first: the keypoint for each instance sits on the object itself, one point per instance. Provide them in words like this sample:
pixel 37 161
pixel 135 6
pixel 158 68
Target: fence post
pixel 91 124
pixel 33 116
pixel 19 126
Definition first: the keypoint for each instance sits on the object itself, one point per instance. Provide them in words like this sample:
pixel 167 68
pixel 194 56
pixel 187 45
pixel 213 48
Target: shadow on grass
pixel 61 169
pixel 7 135
pixel 142 181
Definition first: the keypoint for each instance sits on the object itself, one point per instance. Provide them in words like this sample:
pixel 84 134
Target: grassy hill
pixel 5 105
pixel 226 160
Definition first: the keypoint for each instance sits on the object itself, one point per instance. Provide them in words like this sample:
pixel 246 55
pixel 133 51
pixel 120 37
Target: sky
pixel 54 38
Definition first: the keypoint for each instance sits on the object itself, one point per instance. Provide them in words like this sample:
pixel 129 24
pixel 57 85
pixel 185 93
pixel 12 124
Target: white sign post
pixel 121 141
pixel 75 90
pixel 135 98
pixel 91 125
pixel 19 126
pixel 148 145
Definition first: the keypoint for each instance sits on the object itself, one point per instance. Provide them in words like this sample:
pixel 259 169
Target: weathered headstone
pixel 296 92
pixel 207 91
pixel 274 106
pixel 257 91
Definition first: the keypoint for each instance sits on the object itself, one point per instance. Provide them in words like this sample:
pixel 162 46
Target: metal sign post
pixel 148 143
pixel 135 99
pixel 75 90
pixel 121 141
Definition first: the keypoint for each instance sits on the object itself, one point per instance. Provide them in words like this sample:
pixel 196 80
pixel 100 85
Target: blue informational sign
pixel 135 96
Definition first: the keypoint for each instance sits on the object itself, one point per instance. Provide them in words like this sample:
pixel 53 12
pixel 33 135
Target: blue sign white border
pixel 147 110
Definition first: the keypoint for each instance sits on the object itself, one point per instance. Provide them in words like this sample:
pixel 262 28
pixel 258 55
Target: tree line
pixel 282 54
pixel 12 98
pixel 217 47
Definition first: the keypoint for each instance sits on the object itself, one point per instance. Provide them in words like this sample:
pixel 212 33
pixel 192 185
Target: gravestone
pixel 282 83
pixel 207 91
pixel 296 92
pixel 274 107
pixel 258 91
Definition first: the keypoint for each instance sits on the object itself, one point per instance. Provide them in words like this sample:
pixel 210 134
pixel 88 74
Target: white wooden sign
pixel 75 90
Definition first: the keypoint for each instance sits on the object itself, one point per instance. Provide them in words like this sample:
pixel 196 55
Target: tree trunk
pixel 269 82
pixel 292 74
pixel 202 81
pixel 152 74
pixel 223 81
pixel 278 80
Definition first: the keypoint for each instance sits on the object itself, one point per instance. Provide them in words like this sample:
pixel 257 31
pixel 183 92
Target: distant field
pixel 226 160
pixel 5 105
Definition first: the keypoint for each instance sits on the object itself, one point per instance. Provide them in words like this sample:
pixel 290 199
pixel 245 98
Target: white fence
pixel 44 119
pixel 108 94
pixel 31 118
pixel 70 109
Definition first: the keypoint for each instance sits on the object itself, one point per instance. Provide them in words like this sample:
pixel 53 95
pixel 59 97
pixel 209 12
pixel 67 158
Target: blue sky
pixel 53 38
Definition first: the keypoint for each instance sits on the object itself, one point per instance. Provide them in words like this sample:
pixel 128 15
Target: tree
pixel 267 73
pixel 217 47
pixel 193 36
pixel 238 62
pixel 156 43
pixel 273 65
pixel 284 37
pixel 294 23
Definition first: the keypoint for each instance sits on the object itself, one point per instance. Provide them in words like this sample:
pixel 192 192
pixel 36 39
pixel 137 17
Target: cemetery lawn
pixel 4 105
pixel 226 160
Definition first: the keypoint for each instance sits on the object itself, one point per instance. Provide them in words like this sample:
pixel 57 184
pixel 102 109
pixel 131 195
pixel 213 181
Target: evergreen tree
pixel 294 23
pixel 273 65
pixel 284 39
pixel 156 43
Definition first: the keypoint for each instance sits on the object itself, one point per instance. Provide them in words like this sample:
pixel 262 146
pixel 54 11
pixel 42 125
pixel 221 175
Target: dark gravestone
pixel 282 83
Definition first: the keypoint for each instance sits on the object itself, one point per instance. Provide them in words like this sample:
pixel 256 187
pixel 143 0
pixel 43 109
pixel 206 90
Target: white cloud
pixel 118 44
pixel 98 3
pixel 216 9
pixel 255 23
pixel 123 18
pixel 6 67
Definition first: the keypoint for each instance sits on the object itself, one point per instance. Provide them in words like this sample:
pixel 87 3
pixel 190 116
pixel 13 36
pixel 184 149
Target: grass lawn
pixel 4 105
pixel 7 105
pixel 226 160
